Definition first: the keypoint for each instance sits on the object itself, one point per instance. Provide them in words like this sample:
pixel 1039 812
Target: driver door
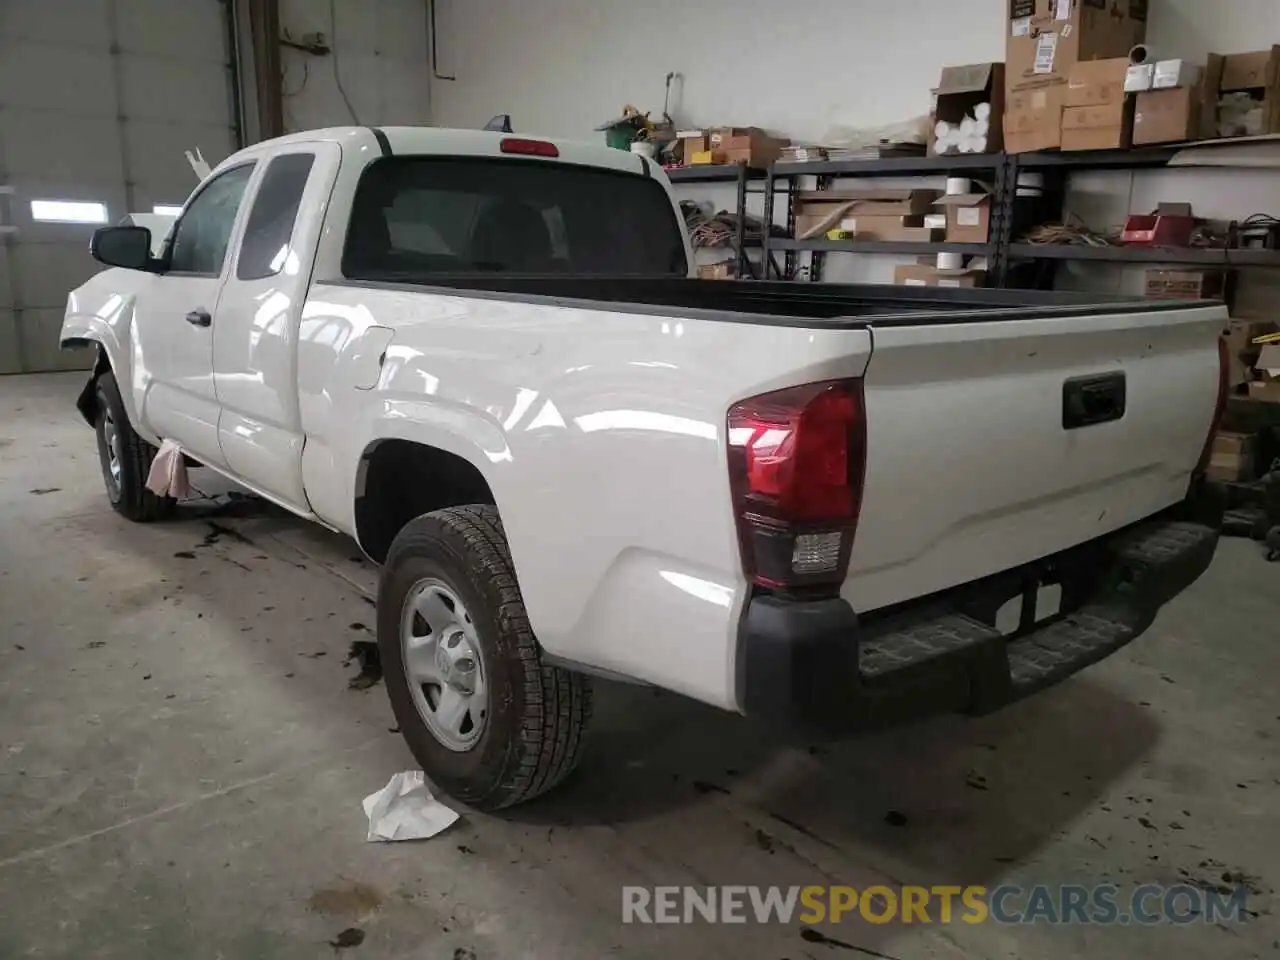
pixel 173 339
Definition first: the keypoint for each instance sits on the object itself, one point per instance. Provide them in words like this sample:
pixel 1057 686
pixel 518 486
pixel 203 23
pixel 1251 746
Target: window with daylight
pixel 68 211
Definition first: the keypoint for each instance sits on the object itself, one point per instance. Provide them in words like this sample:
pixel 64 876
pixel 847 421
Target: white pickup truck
pixel 483 357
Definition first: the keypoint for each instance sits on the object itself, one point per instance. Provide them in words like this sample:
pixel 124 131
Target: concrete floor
pixel 182 765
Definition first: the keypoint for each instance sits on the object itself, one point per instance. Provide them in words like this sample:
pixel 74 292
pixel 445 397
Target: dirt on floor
pixel 189 721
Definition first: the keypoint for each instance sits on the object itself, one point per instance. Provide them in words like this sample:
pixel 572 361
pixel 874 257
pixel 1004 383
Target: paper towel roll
pixel 982 111
pixel 967 126
pixel 957 186
pixel 1139 53
pixel 942 129
pixel 950 261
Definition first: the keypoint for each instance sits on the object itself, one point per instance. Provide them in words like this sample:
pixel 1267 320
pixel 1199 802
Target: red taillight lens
pixel 531 148
pixel 796 463
pixel 1224 367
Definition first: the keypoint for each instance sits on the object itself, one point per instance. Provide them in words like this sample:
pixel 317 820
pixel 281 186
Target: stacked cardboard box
pixel 1097 115
pixel 749 145
pixel 1231 458
pixel 865 214
pixel 1045 39
pixel 1245 93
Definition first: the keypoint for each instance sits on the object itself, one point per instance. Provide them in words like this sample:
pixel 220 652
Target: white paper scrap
pixel 405 810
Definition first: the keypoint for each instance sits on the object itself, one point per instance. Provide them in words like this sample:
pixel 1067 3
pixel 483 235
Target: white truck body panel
pixel 968 469
pixel 602 431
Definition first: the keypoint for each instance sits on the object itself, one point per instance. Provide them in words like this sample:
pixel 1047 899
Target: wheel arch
pixel 399 479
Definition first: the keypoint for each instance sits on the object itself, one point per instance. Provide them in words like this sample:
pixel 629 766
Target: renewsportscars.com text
pixel 1006 904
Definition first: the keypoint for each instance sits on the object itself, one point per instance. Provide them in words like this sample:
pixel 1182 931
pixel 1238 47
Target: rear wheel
pixel 487 720
pixel 126 459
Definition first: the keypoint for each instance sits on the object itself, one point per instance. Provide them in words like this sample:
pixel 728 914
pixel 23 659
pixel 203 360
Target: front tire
pixel 486 719
pixel 126 459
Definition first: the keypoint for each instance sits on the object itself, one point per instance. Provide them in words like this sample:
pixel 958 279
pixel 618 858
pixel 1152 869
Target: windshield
pixel 417 216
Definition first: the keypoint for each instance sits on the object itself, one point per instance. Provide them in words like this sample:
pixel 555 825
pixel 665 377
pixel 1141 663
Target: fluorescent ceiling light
pixel 68 211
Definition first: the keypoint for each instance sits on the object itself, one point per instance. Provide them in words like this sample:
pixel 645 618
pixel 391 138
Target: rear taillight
pixel 796 463
pixel 1224 367
pixel 529 148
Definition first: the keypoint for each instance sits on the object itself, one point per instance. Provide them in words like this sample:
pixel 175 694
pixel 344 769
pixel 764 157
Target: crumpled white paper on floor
pixel 405 810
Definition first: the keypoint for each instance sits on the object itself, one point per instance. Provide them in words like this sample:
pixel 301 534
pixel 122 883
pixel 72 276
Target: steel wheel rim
pixel 442 664
pixel 111 442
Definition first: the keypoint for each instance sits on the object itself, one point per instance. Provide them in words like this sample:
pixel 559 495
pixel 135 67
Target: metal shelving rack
pixel 1010 215
pixel 783 176
pixel 740 174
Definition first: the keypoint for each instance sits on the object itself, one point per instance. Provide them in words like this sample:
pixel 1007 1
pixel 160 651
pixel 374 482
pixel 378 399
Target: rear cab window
pixel 415 217
pixel 267 235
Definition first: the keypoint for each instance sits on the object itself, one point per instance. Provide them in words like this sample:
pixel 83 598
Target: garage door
pixel 98 101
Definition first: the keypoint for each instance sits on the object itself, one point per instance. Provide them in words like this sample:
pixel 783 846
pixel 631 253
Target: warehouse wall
pixel 378 72
pixel 562 66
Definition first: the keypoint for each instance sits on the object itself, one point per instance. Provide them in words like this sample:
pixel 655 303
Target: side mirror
pixel 128 247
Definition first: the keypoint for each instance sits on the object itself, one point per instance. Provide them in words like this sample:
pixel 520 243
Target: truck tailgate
pixel 972 466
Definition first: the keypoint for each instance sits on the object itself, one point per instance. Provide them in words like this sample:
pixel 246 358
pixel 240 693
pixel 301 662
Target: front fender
pixel 98 315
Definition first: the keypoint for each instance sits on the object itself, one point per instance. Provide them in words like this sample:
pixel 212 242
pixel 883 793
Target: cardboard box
pixel 887 228
pixel 704 157
pixel 1096 83
pixel 818 211
pixel 717 135
pixel 961 89
pixel 1033 119
pixel 1256 75
pixel 861 227
pixel 693 145
pixel 882 202
pixel 1269 360
pixel 1139 77
pixel 968 217
pixel 1232 457
pixel 1045 38
pixel 1103 127
pixel 922 275
pixel 1174 73
pixel 1166 116
pixel 716 271
pixel 1185 284
pixel 1266 390
pixel 1250 71
pixel 754 151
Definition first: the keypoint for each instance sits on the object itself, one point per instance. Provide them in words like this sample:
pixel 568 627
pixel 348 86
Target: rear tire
pixel 532 716
pixel 126 459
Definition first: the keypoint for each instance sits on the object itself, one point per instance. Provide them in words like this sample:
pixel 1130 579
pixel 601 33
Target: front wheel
pixel 125 458
pixel 487 720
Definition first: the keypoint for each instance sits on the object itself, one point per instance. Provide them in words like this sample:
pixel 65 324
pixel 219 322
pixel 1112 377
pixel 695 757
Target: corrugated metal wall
pixel 98 100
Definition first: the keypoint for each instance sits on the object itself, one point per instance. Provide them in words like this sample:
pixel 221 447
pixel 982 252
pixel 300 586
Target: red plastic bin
pixel 1158 230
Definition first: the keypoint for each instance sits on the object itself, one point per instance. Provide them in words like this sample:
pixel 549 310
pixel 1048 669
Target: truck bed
pixel 783 303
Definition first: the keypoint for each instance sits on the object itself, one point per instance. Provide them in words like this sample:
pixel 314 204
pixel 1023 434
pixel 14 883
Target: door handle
pixel 199 317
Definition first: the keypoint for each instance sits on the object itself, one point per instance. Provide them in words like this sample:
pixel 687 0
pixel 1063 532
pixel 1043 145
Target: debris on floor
pixel 405 810
pixel 350 937
pixel 365 654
